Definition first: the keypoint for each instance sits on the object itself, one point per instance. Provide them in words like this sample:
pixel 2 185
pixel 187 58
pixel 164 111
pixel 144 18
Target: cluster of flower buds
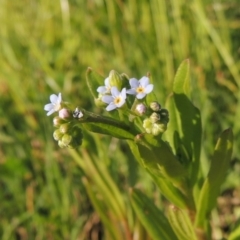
pixel 157 122
pixel 130 96
pixel 67 133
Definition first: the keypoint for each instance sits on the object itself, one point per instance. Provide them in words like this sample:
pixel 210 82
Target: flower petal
pixel 114 91
pixel 149 88
pixel 107 99
pixel 133 83
pixel 144 81
pixel 48 107
pixel 131 91
pixel 111 106
pixel 140 95
pixel 59 100
pixel 101 89
pixel 53 98
pixel 106 81
pixel 50 112
pixel 123 93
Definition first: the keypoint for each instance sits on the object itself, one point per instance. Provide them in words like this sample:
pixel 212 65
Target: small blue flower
pixel 55 104
pixel 140 88
pixel 105 89
pixel 116 100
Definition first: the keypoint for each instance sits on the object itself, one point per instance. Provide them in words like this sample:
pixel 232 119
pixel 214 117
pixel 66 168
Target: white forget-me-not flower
pixel 105 89
pixel 55 104
pixel 140 88
pixel 116 100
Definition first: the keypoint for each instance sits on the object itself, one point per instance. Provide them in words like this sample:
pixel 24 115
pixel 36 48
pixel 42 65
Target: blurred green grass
pixel 46 47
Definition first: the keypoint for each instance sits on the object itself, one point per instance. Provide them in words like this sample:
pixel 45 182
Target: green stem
pixel 95 118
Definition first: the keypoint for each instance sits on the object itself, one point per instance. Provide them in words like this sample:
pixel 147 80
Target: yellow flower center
pixel 140 89
pixel 117 100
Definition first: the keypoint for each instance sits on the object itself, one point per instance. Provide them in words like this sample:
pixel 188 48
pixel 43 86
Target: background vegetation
pixel 46 47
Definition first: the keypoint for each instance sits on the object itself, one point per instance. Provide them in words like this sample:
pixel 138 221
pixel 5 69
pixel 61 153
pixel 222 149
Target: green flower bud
pixel 155 106
pixel 158 128
pixel 75 144
pixel 155 128
pixel 61 144
pixel 115 79
pixel 66 139
pixel 57 135
pixel 76 132
pixel 57 121
pixel 76 138
pixel 155 117
pixel 164 113
pixel 147 125
pixel 64 128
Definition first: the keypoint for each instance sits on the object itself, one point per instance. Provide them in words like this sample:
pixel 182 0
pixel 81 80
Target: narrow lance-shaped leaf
pixel 161 162
pixel 185 121
pixel 94 80
pixel 181 223
pixel 166 187
pixel 159 158
pixel 151 217
pixel 218 169
pixel 101 208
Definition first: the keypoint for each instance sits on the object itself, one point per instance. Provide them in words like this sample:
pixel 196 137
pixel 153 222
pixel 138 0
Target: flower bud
pixel 64 113
pixel 61 144
pixel 155 106
pixel 64 128
pixel 57 135
pixel 115 79
pixel 147 125
pixel 155 128
pixel 158 128
pixel 155 117
pixel 66 139
pixel 57 121
pixel 141 109
pixel 164 113
pixel 76 138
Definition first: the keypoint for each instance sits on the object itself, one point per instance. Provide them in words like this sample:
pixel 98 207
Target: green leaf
pixel 166 187
pixel 235 233
pixel 169 191
pixel 181 84
pixel 151 217
pixel 159 159
pixel 185 122
pixel 218 169
pixel 107 129
pixel 94 80
pixel 162 164
pixel 181 223
pixel 101 208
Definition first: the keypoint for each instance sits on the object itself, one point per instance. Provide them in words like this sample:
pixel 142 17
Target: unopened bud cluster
pixel 67 134
pixel 157 120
